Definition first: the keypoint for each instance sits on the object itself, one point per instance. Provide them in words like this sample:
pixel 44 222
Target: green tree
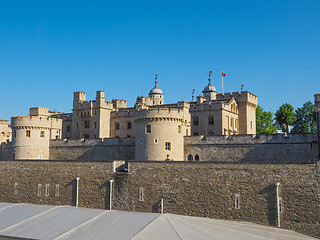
pixel 285 116
pixel 305 119
pixel 264 121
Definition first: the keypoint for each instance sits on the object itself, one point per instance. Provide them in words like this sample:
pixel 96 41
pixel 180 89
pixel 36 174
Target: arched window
pixel 196 157
pixel 190 157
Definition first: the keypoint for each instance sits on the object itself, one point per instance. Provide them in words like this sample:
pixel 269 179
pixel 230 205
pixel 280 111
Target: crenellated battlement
pixel 160 113
pixel 119 103
pixel 253 139
pixel 6 122
pixel 244 96
pixel 128 112
pixel 92 142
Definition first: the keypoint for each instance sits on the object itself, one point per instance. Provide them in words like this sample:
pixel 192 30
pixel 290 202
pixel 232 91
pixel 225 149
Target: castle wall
pixel 253 148
pixel 198 189
pixel 93 149
pixel 5 131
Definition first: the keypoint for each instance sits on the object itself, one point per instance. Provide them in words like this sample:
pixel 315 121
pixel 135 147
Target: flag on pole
pixel 223 74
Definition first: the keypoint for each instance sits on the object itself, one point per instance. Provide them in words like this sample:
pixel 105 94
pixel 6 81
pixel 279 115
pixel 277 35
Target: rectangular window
pixel 47 190
pixel 167 146
pixel 210 120
pixel 195 121
pixel 251 124
pixel 280 205
pixel 15 188
pixel 77 125
pixel 237 201
pixel 39 189
pixel 95 124
pixel 179 129
pixel 228 124
pixel 187 132
pixel 141 195
pixel 28 133
pixel 68 128
pixel 128 125
pixel 232 122
pixel 148 128
pixel 86 124
pixel 42 134
pixel 117 126
pixel 57 192
pixel 14 133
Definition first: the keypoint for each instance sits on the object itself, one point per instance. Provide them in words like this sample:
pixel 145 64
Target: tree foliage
pixel 305 119
pixel 285 116
pixel 264 121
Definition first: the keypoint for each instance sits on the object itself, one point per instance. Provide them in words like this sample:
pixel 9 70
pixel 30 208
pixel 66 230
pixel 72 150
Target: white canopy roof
pixel 28 221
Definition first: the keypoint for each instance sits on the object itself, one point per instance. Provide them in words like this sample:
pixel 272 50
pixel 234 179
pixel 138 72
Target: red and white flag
pixel 223 74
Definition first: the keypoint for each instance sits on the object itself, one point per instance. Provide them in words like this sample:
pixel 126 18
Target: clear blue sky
pixel 49 49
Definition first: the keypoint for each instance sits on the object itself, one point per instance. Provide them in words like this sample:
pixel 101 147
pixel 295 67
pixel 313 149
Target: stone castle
pixel 201 157
pixel 158 129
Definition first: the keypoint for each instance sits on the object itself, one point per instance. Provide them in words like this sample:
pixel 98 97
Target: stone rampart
pixel 93 149
pixel 241 192
pixel 253 148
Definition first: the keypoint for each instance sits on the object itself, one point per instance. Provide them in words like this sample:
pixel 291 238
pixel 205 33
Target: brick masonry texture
pixel 254 148
pixel 199 189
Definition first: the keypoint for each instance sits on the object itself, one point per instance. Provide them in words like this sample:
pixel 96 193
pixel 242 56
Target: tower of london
pixel 157 128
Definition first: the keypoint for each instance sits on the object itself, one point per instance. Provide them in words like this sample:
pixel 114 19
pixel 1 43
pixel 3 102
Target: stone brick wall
pixel 209 189
pixel 199 188
pixel 93 149
pixel 297 148
pixel 93 184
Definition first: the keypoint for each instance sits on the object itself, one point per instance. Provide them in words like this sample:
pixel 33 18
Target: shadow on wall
pixel 270 191
pixel 106 185
pixel 156 207
pixel 73 185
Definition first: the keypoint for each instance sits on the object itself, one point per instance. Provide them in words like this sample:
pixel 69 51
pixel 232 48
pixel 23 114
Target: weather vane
pixel 193 94
pixel 156 77
pixel 209 74
pixel 242 86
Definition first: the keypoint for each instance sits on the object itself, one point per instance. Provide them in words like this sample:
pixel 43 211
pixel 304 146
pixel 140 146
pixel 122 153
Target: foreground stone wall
pixel 198 189
pixel 254 148
pixel 93 149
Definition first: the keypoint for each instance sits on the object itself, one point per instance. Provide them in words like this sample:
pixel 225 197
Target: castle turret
pixel 31 135
pixel 209 92
pixel 159 134
pixel 156 93
pixel 317 103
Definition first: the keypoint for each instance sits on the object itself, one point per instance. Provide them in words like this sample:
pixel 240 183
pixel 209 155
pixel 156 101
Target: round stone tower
pixel 159 134
pixel 30 137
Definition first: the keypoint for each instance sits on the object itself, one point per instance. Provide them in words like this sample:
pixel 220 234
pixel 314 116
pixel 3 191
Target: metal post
pixel 77 191
pixel 162 205
pixel 278 205
pixel 110 195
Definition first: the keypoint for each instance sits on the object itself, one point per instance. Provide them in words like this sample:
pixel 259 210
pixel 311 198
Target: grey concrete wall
pixel 93 149
pixel 297 148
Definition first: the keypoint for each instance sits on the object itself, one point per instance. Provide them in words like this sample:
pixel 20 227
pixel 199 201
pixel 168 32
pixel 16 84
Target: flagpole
pixel 222 80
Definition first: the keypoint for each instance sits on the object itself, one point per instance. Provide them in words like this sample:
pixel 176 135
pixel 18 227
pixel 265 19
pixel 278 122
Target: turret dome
pixel 155 90
pixel 209 88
